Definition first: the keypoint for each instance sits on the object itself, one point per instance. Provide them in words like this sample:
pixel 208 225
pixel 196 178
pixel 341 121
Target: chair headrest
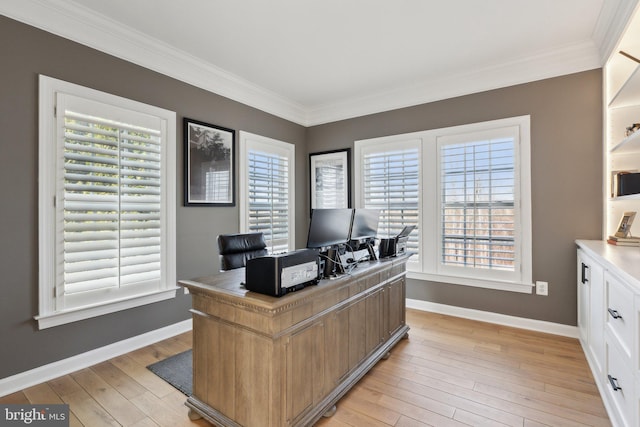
pixel 234 243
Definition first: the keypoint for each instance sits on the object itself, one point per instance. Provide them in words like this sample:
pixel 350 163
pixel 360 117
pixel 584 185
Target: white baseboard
pixel 500 319
pixel 63 367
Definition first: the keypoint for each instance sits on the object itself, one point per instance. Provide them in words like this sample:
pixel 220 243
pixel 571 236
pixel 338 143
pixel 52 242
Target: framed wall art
pixel 209 158
pixel 330 179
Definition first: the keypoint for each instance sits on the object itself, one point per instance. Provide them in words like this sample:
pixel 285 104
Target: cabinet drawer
pixel 619 384
pixel 620 316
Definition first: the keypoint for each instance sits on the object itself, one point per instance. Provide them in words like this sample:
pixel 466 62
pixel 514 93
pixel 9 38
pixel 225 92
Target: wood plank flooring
pixel 450 372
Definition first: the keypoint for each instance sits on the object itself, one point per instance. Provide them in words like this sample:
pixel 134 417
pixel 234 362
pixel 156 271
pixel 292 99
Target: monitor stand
pixel 332 264
pixel 354 257
pixel 372 252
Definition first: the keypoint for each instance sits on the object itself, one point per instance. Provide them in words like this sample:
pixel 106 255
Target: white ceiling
pixel 314 61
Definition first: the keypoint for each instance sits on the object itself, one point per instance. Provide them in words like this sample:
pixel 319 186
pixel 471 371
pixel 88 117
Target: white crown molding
pixel 75 363
pixel 77 23
pixel 495 318
pixel 612 21
pixel 565 60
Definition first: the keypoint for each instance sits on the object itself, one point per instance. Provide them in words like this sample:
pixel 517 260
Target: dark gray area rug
pixel 176 370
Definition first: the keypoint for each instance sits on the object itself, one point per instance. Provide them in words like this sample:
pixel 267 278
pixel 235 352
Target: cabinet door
pixel 591 309
pixel 395 306
pixel 305 370
pixel 374 329
pixel 584 284
pixel 597 315
pixel 337 339
pixel 357 332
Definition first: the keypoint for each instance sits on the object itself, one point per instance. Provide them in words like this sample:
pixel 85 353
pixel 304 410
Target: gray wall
pixel 567 193
pixel 566 169
pixel 27 52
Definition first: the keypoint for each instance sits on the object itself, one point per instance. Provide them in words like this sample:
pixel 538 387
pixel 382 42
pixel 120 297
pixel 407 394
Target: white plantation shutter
pixel 110 204
pixel 269 198
pixel 391 183
pixel 479 218
pixel 267 190
pixel 107 203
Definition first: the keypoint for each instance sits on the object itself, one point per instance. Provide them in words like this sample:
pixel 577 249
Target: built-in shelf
pixel 629 92
pixel 627 197
pixel 628 145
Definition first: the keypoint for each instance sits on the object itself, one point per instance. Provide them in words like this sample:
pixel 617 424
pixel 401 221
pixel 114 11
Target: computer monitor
pixel 329 232
pixel 365 226
pixel 329 227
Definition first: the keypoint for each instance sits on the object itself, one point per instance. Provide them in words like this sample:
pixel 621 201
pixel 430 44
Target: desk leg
pixel 330 412
pixel 193 415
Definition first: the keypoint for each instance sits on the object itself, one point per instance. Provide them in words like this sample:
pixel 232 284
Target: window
pixel 391 182
pixel 467 188
pixel 107 203
pixel 267 190
pixel 477 215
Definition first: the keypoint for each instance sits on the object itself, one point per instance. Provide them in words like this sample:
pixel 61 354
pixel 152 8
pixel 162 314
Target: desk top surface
pixel 229 284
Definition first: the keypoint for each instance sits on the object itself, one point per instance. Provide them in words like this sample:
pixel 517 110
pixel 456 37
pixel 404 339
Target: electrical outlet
pixel 542 288
pixel 186 291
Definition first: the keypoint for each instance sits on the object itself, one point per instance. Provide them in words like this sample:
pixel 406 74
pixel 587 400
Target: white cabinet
pixel 591 309
pixel 608 323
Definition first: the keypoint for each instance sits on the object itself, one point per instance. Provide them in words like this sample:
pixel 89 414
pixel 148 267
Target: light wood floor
pixel 450 372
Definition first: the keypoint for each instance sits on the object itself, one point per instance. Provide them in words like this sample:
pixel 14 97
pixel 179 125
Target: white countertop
pixel 623 261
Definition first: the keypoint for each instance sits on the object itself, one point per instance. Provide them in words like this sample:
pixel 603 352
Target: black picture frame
pixel 209 164
pixel 341 155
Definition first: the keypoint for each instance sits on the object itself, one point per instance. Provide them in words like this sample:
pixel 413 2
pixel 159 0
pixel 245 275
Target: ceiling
pixel 313 62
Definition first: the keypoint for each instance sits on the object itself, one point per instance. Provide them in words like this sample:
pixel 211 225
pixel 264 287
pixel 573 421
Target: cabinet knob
pixel 614 313
pixel 614 383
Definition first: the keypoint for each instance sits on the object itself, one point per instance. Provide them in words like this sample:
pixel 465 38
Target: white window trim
pixel 249 140
pixel 49 314
pixel 427 267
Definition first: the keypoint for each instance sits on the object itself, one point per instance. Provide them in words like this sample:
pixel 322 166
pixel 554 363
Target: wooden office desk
pixel 266 361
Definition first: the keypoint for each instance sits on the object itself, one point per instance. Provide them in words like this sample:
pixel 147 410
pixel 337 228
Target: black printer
pixel 279 274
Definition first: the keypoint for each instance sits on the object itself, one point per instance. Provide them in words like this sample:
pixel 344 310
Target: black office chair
pixel 236 249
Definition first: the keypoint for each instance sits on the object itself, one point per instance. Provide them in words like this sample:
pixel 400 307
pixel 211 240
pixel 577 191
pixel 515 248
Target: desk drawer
pixel 620 315
pixel 619 383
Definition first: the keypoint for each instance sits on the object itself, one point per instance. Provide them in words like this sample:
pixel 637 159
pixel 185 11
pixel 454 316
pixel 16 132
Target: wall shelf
pixel 628 145
pixel 627 197
pixel 629 93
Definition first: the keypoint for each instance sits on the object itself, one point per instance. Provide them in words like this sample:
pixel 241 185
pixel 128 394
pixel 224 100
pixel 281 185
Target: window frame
pixel 250 141
pixel 52 309
pixel 429 210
